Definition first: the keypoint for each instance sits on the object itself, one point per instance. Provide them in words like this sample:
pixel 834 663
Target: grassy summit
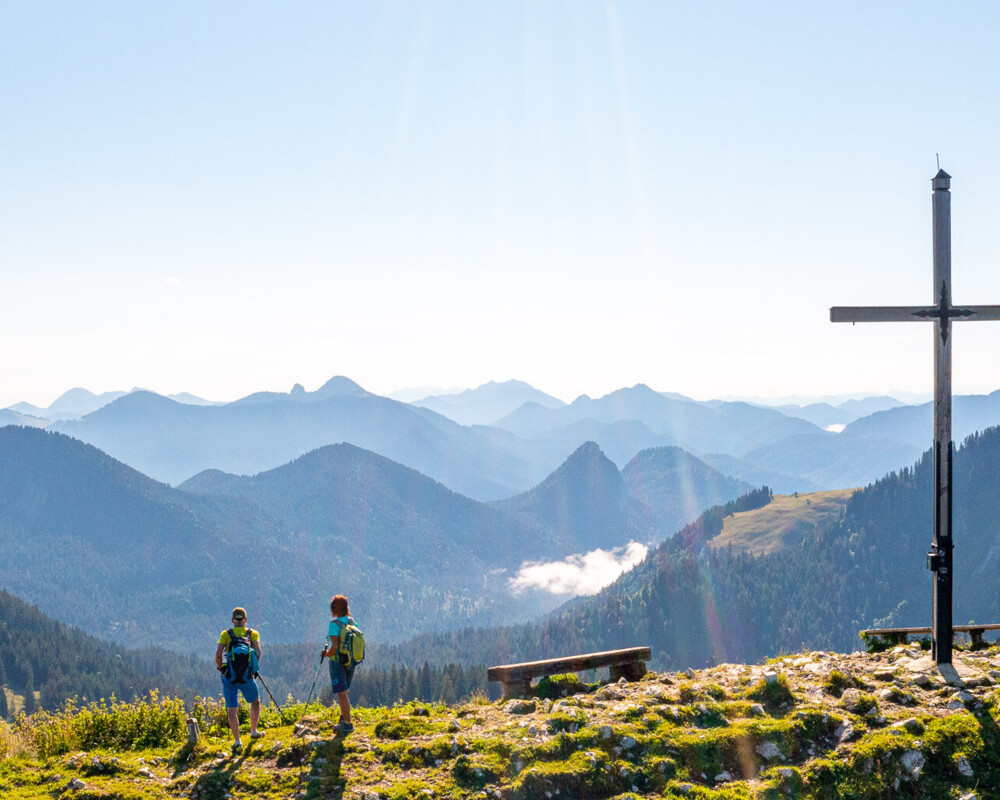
pixel 785 521
pixel 815 725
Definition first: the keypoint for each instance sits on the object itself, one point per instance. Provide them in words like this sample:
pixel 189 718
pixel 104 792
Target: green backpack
pixel 352 644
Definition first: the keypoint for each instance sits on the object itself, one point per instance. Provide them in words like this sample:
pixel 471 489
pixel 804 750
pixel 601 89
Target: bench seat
pixel 900 635
pixel 516 678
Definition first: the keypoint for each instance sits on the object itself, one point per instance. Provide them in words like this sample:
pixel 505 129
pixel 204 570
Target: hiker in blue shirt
pixel 241 647
pixel 340 674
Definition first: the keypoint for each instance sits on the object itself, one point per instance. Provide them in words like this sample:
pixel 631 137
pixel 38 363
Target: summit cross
pixel 939 559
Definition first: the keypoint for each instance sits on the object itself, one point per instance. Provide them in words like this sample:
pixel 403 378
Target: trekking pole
pixel 300 729
pixel 315 678
pixel 258 677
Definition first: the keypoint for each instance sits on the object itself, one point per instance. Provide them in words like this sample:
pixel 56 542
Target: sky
pixel 221 198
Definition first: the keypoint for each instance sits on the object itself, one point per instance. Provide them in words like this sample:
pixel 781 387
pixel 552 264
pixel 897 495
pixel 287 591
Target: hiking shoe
pixel 343 727
pixel 256 734
pixel 237 748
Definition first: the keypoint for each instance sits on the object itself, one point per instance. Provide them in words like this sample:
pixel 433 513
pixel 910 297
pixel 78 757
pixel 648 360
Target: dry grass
pixel 785 521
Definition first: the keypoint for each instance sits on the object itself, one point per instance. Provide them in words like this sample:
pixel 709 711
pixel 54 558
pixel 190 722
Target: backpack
pixel 241 658
pixel 352 644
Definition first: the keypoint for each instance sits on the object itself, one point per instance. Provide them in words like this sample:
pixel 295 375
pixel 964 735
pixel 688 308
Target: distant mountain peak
pixel 488 403
pixel 587 450
pixel 587 466
pixel 338 386
pixel 583 501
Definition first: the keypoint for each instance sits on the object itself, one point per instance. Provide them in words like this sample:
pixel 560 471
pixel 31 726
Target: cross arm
pixel 981 312
pixel 911 313
pixel 880 313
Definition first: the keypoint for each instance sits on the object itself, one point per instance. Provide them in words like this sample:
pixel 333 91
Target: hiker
pixel 241 647
pixel 341 670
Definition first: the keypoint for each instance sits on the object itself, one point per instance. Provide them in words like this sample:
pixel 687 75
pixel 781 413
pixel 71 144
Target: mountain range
pixel 78 402
pixel 486 404
pixel 531 433
pixel 171 441
pixel 97 544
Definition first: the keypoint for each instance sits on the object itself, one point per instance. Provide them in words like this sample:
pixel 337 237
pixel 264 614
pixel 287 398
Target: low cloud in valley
pixel 579 574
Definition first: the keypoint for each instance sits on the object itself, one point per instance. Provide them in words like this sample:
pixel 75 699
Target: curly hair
pixel 339 606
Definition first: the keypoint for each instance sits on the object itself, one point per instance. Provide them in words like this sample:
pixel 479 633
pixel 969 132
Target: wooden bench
pixel 900 635
pixel 516 678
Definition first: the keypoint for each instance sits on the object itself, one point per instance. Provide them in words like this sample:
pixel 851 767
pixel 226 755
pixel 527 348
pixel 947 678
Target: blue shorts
pixel 230 691
pixel 340 676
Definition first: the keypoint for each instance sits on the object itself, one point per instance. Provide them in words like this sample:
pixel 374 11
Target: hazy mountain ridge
pixel 834 460
pixel 754 475
pixel 914 424
pixel 173 442
pixel 486 404
pixel 826 414
pixel 748 441
pixel 78 402
pixel 727 427
pixel 9 417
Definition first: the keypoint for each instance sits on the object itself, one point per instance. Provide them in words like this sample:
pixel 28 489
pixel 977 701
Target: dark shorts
pixel 230 691
pixel 340 676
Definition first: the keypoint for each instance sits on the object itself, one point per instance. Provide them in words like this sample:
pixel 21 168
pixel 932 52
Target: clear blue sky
pixel 224 197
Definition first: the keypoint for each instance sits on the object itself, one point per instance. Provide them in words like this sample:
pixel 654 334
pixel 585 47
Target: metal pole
pixel 313 687
pixel 941 548
pixel 258 677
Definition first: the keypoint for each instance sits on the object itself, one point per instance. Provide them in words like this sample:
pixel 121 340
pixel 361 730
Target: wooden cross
pixel 939 559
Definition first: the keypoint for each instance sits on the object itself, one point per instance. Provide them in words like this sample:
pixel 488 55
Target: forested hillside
pixel 43 662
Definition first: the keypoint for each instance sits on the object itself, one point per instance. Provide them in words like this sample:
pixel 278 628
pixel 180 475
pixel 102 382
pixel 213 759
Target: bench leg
pixel 630 672
pixel 516 689
pixel 977 639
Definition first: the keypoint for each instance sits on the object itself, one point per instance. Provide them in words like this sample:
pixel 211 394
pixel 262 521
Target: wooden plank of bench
pixel 628 663
pixel 899 635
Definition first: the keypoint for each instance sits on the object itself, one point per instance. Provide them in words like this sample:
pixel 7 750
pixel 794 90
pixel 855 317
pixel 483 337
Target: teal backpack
pixel 241 658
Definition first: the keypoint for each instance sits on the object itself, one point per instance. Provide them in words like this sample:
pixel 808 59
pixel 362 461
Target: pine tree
pixel 448 691
pixel 426 684
pixel 30 706
pixel 409 690
pixel 393 692
pixel 4 710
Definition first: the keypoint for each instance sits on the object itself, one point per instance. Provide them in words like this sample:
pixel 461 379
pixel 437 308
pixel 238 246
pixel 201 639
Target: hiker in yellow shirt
pixel 241 647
